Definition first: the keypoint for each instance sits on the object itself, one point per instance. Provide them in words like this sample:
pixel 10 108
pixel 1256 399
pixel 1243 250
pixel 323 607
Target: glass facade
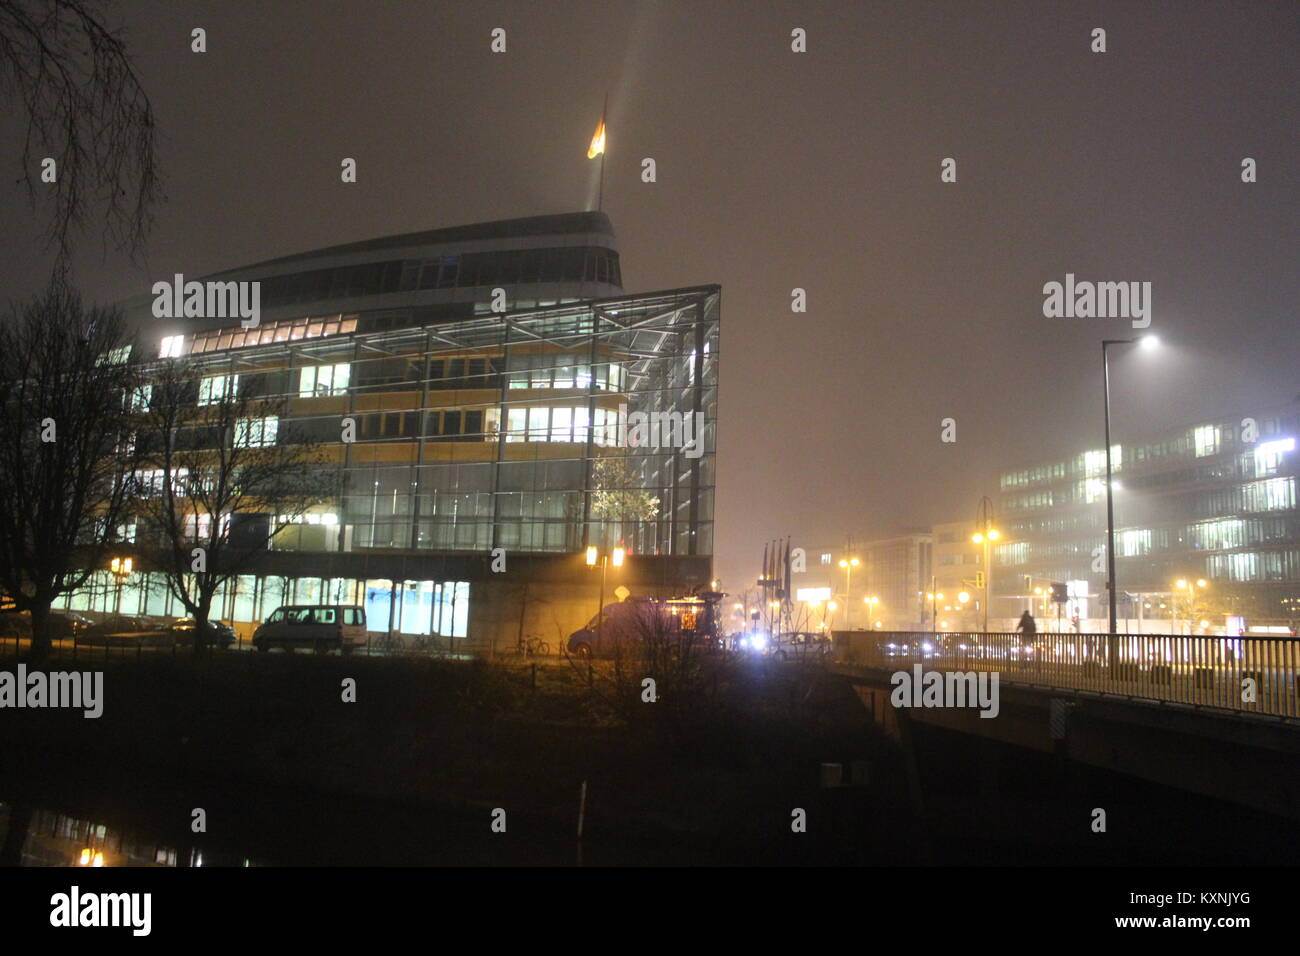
pixel 1215 500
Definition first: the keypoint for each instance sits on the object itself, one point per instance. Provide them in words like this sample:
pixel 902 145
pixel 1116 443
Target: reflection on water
pixel 40 837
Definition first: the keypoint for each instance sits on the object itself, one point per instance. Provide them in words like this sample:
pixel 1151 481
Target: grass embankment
pixel 478 734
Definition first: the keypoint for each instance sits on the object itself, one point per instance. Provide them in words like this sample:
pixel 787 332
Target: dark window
pixel 429 274
pixel 435 374
pixel 451 423
pixel 371 278
pixel 456 374
pixel 433 425
pixel 529 262
pixel 410 276
pixel 450 273
pixel 338 283
pixel 468 272
pixel 391 277
pixel 474 423
pixel 320 284
pixel 573 259
pixel 477 370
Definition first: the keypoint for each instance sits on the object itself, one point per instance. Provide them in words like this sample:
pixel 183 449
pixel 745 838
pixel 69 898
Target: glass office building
pixel 574 416
pixel 1213 501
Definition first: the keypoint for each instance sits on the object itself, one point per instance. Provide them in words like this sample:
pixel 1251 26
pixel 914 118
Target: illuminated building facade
pixel 1213 501
pixel 474 429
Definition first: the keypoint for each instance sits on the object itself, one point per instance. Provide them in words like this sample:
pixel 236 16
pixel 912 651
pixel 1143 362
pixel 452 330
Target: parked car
pixel 65 625
pixel 62 625
pixel 321 627
pixel 15 624
pixel 123 629
pixel 223 635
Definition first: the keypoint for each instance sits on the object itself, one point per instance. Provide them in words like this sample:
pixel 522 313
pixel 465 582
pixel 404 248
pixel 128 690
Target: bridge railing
pixel 1222 672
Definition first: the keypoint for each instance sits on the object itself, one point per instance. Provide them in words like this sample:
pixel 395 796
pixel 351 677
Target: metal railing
pixel 1201 671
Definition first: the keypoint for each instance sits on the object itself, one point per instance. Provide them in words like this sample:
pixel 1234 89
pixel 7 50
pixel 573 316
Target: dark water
pixel 1039 814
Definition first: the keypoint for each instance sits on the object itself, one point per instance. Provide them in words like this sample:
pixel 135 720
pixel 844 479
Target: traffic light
pixel 1060 593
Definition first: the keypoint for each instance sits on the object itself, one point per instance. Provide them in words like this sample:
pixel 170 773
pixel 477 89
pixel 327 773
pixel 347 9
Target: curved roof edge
pixel 568 222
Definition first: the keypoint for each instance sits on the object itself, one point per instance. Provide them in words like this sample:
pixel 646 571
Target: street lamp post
pixel 934 598
pixel 848 564
pixel 594 557
pixel 986 536
pixel 1147 342
pixel 121 569
pixel 871 603
pixel 1190 587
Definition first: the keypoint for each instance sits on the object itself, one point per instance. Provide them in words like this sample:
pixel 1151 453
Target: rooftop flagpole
pixel 600 197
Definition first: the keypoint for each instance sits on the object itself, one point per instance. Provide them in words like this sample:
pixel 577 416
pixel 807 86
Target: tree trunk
pixel 202 608
pixel 40 632
pixel 20 818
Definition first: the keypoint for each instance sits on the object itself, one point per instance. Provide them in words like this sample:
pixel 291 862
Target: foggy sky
pixel 776 171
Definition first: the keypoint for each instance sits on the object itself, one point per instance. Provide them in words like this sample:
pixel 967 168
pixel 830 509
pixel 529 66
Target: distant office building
pixel 1213 501
pixel 881 581
pixel 958 566
pixel 475 429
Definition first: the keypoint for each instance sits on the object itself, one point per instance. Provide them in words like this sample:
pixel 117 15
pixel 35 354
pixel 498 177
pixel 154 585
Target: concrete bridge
pixel 1213 715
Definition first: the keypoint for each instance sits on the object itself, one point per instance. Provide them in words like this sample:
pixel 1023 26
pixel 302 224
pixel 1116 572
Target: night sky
pixel 779 170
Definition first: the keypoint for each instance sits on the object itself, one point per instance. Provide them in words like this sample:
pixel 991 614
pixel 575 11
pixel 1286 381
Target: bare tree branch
pixel 85 108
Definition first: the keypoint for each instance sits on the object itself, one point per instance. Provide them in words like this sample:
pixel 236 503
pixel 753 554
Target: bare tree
pixel 66 447
pixel 686 661
pixel 85 109
pixel 223 473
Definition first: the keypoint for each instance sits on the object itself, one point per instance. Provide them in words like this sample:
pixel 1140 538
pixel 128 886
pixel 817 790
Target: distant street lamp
pixel 1190 587
pixel 934 598
pixel 871 603
pixel 848 564
pixel 1148 341
pixel 986 535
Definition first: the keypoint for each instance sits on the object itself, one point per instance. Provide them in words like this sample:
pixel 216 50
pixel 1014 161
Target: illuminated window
pixel 216 388
pixel 173 346
pixel 256 432
pixel 1205 439
pixel 324 380
pixel 1268 455
pixel 139 398
pixel 1133 543
pixel 1271 495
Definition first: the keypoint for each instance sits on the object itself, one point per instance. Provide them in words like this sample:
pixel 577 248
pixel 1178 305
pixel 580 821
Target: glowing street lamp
pixel 1182 584
pixel 594 558
pixel 121 570
pixel 1146 342
pixel 986 535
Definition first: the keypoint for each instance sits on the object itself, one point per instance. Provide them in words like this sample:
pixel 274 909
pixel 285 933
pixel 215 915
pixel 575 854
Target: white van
pixel 321 627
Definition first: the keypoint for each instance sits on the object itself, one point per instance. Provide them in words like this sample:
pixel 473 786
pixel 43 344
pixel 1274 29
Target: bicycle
pixel 389 642
pixel 532 645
